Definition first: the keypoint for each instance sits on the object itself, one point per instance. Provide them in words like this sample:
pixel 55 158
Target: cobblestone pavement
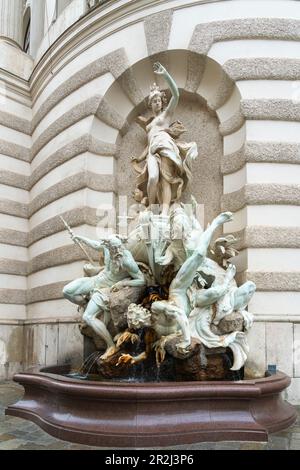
pixel 19 434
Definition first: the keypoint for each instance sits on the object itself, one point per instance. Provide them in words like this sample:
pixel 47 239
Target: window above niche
pixel 94 3
pixel 26 27
pixel 26 43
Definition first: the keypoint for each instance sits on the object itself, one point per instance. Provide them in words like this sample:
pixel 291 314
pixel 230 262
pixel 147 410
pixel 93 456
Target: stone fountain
pixel 168 321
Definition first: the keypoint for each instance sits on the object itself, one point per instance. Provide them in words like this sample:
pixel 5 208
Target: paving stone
pixel 283 433
pixel 37 435
pixel 58 445
pixel 6 437
pixel 20 434
pixel 253 446
pixel 228 445
pixel 46 440
pixel 81 447
pixel 278 443
pixel 32 446
pixel 295 444
pixel 294 429
pixel 23 425
pixel 196 446
pixel 15 421
pixel 7 427
pixel 12 444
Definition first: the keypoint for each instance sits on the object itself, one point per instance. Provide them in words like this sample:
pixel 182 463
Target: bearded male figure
pixel 120 270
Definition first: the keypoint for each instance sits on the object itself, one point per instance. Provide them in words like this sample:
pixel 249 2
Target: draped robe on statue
pixel 173 157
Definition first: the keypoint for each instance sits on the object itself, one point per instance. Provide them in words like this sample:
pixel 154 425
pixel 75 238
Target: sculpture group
pixel 171 284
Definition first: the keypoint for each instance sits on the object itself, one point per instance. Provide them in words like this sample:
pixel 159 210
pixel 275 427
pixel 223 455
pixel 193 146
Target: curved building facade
pixel 73 77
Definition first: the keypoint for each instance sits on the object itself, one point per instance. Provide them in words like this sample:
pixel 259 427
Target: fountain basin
pixel 116 414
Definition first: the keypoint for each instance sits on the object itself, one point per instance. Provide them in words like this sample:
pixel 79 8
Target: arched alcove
pixel 209 108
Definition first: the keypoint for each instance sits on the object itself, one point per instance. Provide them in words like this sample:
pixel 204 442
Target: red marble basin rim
pixel 151 391
pixel 135 415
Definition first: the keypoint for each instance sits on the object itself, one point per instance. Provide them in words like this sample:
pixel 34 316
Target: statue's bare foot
pixel 109 352
pixel 126 337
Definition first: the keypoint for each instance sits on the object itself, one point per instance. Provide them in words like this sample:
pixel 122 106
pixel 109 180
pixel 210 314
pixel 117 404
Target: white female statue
pixel 167 169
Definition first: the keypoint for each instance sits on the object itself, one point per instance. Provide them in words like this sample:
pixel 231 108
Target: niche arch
pixel 209 108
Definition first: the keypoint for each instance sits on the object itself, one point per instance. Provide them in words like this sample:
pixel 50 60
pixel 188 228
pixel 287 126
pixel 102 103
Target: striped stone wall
pixel 61 127
pixel 15 151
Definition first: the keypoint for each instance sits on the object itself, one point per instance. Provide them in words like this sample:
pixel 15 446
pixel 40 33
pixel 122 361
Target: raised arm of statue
pixel 96 245
pixel 160 70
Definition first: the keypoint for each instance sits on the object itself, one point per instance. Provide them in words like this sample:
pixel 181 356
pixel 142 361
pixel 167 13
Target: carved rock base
pixel 154 414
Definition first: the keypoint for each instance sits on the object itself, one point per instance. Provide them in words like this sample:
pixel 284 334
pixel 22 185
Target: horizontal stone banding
pixel 256 152
pixel 14 179
pixel 115 62
pixel 74 115
pixel 13 237
pixel 79 79
pixel 46 292
pixel 86 179
pixel 13 296
pixel 13 208
pixel 75 217
pixel 37 294
pixel 268 237
pixel 263 68
pixel 14 150
pixel 59 256
pixel 271 109
pixel 81 145
pixel 106 113
pixel 95 105
pixel 264 193
pixel 11 266
pixel 206 34
pixel 272 281
pixel 15 122
pixel 233 124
